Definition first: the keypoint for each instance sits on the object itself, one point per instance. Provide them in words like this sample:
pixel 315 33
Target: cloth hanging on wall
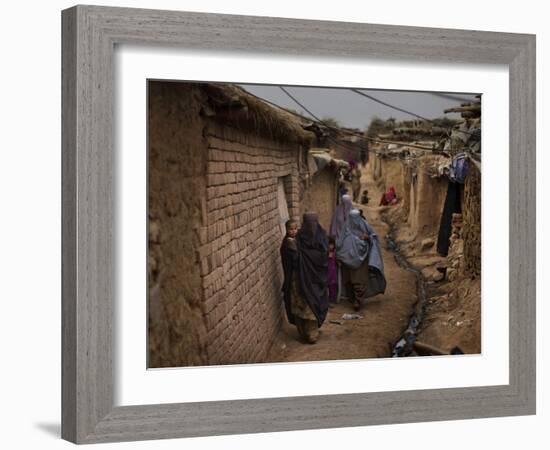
pixel 451 206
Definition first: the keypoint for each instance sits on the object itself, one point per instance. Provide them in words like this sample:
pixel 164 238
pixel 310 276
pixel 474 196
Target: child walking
pixel 289 258
pixel 304 255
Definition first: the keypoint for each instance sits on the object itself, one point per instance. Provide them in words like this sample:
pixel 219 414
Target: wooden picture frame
pixel 89 34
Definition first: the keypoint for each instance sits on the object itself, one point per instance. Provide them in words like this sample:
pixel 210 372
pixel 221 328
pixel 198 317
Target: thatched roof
pixel 232 105
pixel 323 159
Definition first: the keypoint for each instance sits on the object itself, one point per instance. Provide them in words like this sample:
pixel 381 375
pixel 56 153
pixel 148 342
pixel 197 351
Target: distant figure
pixel 389 198
pixel 364 154
pixel 365 197
pixel 347 174
pixel 343 190
pixel 355 181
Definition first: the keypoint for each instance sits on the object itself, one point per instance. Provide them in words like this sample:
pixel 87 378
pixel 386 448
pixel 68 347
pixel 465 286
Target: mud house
pixel 344 144
pixel 347 144
pixel 440 206
pixel 437 222
pixel 225 172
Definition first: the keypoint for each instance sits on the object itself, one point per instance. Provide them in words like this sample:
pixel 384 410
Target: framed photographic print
pixel 276 224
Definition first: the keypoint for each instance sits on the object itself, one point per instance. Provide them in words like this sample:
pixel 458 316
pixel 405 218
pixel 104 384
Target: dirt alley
pixel 384 316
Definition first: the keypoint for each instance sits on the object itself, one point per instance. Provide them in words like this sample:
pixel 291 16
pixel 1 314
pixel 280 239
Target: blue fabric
pixel 459 168
pixel 340 216
pixel 352 251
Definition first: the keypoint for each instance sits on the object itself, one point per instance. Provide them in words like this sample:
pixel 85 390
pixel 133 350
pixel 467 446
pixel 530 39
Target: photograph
pixel 260 225
pixel 300 223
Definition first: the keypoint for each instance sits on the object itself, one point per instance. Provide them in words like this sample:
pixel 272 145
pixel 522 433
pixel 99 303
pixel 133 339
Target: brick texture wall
pixel 240 239
pixel 214 270
pixel 176 183
pixel 320 196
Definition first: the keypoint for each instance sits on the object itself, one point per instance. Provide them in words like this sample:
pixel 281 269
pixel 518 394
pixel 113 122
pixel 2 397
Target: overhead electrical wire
pixel 397 108
pixel 347 145
pixel 317 119
pixel 450 96
pixel 348 131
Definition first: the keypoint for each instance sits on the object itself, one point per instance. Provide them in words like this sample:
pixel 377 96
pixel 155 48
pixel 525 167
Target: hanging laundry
pixel 452 205
pixel 459 168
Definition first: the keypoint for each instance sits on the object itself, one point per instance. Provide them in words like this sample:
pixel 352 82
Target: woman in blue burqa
pixel 340 215
pixel 338 222
pixel 358 250
pixel 305 265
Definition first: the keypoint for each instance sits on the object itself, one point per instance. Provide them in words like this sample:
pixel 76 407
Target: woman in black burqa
pixel 305 266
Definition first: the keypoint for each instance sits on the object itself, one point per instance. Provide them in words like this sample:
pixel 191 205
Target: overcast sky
pixel 355 111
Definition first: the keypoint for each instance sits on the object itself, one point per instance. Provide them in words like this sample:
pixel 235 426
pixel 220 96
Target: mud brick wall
pixel 427 197
pixel 393 174
pixel 176 167
pixel 471 228
pixel 421 196
pixel 321 194
pixel 214 270
pixel 409 177
pixel 240 239
pixel 374 166
pixel 345 150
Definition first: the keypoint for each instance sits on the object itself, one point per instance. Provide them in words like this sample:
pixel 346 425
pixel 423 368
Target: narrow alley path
pixel 384 316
